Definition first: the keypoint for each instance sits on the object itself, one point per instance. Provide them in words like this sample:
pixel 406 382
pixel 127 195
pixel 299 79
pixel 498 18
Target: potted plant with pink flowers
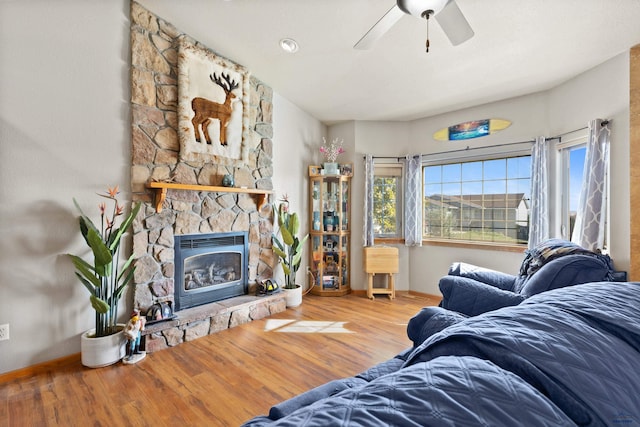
pixel 331 151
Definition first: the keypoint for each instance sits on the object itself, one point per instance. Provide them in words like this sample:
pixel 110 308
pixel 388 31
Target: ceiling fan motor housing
pixel 416 7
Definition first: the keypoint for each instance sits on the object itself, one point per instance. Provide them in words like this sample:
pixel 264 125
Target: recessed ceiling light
pixel 289 45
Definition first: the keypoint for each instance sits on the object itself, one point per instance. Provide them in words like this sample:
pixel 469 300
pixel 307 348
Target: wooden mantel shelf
pixel 160 189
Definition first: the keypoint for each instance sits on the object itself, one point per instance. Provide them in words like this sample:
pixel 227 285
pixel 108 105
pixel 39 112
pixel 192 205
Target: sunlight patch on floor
pixel 306 326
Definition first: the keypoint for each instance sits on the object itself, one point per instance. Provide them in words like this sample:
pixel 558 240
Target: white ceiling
pixel 519 47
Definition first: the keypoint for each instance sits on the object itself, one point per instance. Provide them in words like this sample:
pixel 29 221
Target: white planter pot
pixel 293 296
pixel 103 351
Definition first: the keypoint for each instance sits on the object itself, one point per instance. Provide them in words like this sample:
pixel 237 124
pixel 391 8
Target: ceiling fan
pixel 446 12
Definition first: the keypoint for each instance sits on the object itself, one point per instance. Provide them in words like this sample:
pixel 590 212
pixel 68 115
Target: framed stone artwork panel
pixel 213 106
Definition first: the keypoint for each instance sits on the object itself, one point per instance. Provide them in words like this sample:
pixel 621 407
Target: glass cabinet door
pixel 331 264
pixel 316 203
pixel 329 219
pixel 317 254
pixel 344 265
pixel 345 197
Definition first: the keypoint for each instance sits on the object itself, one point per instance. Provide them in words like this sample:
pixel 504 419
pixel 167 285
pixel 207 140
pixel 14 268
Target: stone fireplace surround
pixel 155 157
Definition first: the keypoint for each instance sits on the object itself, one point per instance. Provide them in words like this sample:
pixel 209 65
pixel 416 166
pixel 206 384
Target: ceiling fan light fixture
pixel 417 7
pixel 289 45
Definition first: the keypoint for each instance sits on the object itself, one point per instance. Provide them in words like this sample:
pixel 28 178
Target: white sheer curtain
pixel 589 229
pixel 413 201
pixel 539 207
pixel 367 232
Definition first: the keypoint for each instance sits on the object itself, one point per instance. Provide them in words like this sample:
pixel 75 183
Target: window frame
pixel 387 169
pixel 490 153
pixel 564 154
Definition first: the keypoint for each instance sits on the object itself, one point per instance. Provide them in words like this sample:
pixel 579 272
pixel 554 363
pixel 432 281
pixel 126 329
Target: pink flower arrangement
pixel 333 150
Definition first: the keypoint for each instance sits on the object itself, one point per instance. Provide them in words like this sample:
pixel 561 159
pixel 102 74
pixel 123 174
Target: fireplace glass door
pixel 210 267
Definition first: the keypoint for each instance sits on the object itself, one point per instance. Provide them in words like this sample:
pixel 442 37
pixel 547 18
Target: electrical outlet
pixel 4 332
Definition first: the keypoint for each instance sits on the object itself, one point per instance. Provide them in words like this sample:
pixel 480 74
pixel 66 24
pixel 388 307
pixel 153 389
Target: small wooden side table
pixel 381 260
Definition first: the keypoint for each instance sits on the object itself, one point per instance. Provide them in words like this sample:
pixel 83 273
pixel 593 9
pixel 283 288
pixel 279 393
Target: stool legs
pixel 390 290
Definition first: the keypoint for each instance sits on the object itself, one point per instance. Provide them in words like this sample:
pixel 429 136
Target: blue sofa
pixel 472 290
pixel 566 357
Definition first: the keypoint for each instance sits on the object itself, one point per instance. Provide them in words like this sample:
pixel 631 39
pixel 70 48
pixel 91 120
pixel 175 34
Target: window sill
pixel 388 241
pixel 488 246
pixel 503 247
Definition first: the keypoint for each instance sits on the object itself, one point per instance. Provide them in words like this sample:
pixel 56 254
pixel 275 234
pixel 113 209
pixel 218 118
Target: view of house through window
pixel 387 201
pixel 486 200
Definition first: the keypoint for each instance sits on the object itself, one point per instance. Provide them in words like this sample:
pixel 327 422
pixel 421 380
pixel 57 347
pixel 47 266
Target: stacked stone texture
pixel 155 157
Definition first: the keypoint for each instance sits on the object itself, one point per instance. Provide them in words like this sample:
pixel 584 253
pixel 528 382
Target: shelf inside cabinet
pixel 160 190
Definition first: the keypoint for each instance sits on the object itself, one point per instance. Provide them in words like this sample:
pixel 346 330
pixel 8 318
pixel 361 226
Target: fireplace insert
pixel 210 267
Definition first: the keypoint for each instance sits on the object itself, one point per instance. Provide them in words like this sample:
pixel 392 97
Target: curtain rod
pixel 457 151
pixel 479 148
pixel 559 136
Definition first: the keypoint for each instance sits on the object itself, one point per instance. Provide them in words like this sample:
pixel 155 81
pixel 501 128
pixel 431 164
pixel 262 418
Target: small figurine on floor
pixel 132 331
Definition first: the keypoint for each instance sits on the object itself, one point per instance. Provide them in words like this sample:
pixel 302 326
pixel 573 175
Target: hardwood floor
pixel 222 379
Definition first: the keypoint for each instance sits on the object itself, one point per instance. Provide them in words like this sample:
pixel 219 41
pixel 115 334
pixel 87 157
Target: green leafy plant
pixel 105 279
pixel 290 248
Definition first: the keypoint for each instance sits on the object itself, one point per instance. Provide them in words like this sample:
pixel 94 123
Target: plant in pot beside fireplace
pixel 105 279
pixel 289 250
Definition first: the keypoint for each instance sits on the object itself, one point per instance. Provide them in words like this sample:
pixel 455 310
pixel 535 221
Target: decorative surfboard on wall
pixel 473 129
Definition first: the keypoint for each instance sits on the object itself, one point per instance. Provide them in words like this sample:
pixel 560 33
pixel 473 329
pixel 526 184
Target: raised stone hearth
pixel 208 319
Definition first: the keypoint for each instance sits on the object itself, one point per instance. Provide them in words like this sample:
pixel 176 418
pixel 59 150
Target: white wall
pixel 602 92
pixel 64 133
pixel 296 139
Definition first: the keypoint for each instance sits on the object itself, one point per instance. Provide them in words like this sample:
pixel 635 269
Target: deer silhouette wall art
pixel 206 110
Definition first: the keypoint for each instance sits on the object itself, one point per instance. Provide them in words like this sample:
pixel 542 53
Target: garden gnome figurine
pixel 132 331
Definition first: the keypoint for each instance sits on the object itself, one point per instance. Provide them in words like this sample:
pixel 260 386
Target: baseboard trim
pixel 39 368
pixel 363 292
pixel 423 294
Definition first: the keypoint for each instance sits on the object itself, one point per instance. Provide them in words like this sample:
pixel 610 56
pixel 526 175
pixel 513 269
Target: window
pixel 572 158
pixel 485 200
pixel 387 201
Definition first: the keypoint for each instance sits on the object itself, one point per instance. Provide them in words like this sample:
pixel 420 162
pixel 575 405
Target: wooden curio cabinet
pixel 330 230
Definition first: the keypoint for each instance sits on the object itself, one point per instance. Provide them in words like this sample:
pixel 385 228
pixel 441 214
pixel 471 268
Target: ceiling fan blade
pixel 454 24
pixel 380 28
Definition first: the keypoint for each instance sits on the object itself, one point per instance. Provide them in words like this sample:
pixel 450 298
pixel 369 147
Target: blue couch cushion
pixel 470 297
pixel 548 251
pixel 567 271
pixel 485 275
pixel 430 320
